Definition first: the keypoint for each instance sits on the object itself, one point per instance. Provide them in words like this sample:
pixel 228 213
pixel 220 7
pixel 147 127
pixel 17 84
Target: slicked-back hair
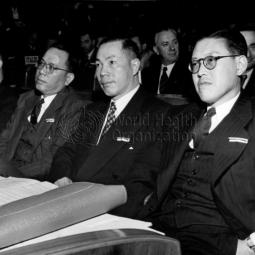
pixel 127 45
pixel 72 59
pixel 235 41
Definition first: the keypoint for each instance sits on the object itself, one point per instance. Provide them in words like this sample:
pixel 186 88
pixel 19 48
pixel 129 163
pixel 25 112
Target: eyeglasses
pixel 49 68
pixel 209 63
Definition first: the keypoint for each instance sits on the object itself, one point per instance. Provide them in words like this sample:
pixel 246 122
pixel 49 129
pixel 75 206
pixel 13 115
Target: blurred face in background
pixel 167 46
pixel 87 43
pixel 249 36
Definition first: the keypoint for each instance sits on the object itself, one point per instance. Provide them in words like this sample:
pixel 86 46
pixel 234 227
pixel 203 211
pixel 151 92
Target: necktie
pixel 110 117
pixel 163 79
pixel 202 127
pixel 36 111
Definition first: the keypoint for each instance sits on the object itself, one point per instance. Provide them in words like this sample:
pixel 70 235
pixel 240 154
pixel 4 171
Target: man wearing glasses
pixel 206 190
pixel 44 118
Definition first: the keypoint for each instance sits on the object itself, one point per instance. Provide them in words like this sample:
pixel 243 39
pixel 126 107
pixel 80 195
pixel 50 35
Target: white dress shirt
pixel 45 105
pixel 221 112
pixel 120 104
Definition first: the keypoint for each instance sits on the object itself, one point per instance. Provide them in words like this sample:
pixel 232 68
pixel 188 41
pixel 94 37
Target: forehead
pixel 166 36
pixel 110 49
pixel 210 46
pixel 85 37
pixel 55 56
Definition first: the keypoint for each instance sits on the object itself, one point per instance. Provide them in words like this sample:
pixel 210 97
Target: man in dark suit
pixel 170 58
pixel 205 192
pixel 121 147
pixel 43 120
pixel 86 71
pixel 248 31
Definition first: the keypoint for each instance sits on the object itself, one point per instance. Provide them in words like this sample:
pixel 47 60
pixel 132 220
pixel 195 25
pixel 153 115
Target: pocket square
pixel 123 139
pixel 237 140
pixel 51 120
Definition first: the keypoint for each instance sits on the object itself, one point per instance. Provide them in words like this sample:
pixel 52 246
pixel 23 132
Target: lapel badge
pixel 237 140
pixel 123 139
pixel 50 120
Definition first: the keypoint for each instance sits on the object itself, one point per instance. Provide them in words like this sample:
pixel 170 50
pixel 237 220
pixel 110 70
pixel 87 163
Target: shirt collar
pixel 124 100
pixel 226 107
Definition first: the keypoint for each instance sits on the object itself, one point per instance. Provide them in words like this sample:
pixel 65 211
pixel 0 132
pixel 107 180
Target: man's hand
pixel 63 182
pixel 243 249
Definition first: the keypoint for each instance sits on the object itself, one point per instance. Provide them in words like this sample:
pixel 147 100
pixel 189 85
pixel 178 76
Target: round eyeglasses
pixel 209 62
pixel 49 68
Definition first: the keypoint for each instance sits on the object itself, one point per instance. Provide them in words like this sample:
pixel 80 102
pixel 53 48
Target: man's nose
pixel 201 69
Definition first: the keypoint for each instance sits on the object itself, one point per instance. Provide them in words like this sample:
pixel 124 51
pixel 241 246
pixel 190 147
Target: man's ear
pixel 242 64
pixel 155 49
pixel 135 65
pixel 69 78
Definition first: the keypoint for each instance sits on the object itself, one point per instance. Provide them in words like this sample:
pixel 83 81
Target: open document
pixel 13 188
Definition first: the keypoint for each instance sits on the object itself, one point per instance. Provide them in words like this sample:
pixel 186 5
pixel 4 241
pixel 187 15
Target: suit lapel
pixel 180 136
pixel 109 144
pixel 231 129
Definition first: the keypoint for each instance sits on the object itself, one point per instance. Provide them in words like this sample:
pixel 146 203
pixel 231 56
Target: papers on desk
pixel 102 222
pixel 12 188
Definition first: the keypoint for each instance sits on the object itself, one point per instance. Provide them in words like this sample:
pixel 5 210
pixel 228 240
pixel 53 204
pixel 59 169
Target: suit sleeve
pixel 62 163
pixel 141 179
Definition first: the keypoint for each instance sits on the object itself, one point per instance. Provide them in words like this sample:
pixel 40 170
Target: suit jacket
pixel 233 178
pixel 128 154
pixel 179 81
pixel 54 128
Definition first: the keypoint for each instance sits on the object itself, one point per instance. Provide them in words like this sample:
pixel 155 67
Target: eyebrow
pixel 107 58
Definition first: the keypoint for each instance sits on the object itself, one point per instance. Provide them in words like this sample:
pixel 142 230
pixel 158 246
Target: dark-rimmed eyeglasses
pixel 209 62
pixel 49 68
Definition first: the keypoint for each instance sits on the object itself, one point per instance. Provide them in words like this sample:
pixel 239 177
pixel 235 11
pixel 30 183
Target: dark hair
pixel 235 41
pixel 72 59
pixel 127 44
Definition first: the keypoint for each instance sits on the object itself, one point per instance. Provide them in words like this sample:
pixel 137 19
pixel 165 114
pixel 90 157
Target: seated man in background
pixel 168 71
pixel 248 31
pixel 117 141
pixel 43 119
pixel 205 193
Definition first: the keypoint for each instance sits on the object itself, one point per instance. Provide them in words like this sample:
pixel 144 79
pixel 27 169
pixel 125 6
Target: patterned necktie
pixel 202 127
pixel 163 80
pixel 36 111
pixel 110 117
